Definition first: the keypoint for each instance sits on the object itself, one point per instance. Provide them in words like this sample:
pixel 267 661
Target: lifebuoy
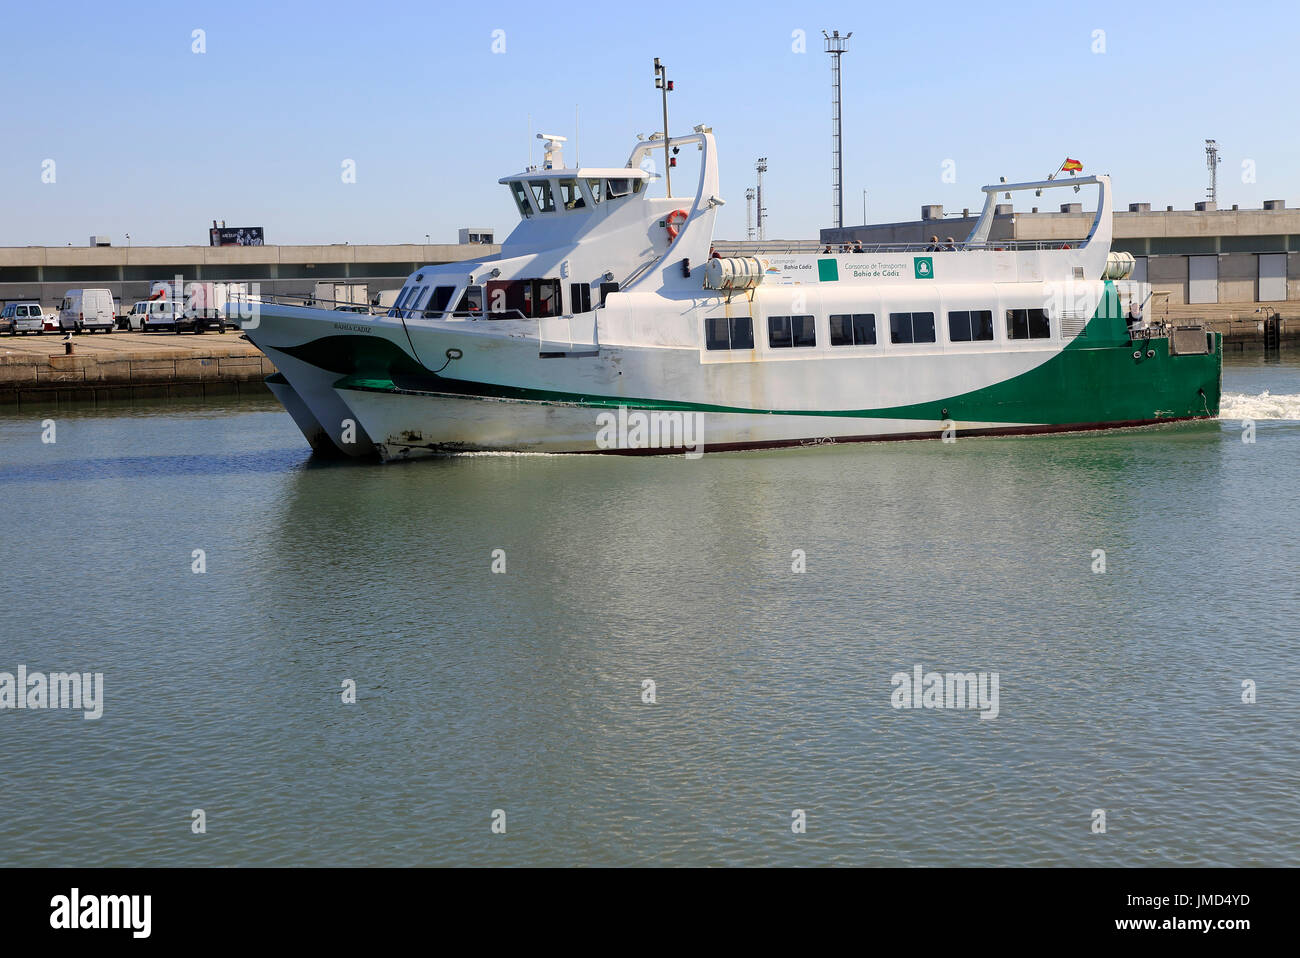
pixel 680 216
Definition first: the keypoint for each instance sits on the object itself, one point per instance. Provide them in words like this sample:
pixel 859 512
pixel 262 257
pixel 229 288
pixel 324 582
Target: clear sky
pixel 150 138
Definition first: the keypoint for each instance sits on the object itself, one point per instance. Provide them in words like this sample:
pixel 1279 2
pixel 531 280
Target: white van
pixel 162 314
pixel 84 309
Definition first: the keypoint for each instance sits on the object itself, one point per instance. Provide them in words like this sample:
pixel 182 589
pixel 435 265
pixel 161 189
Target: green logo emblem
pixel 828 270
pixel 924 267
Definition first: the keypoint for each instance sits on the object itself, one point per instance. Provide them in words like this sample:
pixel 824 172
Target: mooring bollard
pixel 67 344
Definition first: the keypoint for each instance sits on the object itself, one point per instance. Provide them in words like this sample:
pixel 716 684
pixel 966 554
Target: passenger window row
pixel 859 329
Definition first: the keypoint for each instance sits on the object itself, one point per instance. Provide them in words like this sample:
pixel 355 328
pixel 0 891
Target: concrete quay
pixel 124 365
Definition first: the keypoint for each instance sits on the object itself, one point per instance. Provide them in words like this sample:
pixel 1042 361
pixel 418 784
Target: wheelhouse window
pixel 571 196
pixel 593 187
pixel 970 326
pixel 729 332
pixel 520 193
pixel 1028 324
pixel 542 193
pixel 853 329
pixel 617 187
pixel 911 328
pixel 787 332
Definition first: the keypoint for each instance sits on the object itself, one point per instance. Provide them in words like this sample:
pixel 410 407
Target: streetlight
pixel 128 240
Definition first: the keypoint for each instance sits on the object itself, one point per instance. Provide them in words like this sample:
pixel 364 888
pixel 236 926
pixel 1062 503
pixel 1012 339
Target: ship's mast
pixel 663 83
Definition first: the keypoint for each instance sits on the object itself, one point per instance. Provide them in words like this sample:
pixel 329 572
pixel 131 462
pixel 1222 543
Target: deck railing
pixel 808 247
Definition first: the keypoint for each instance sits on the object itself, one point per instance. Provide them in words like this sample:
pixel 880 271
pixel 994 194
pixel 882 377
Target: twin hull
pixel 407 388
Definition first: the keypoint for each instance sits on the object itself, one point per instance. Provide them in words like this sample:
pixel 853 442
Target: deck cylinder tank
pixel 735 272
pixel 1119 265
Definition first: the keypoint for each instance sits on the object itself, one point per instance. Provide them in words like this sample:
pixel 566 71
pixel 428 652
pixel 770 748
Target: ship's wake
pixel 1262 406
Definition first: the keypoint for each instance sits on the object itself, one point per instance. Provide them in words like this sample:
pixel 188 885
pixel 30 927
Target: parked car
pixel 351 309
pixel 133 319
pixel 23 318
pixel 161 314
pixel 204 303
pixel 87 309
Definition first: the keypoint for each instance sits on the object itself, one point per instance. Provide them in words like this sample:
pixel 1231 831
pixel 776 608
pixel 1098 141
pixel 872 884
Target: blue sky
pixel 152 139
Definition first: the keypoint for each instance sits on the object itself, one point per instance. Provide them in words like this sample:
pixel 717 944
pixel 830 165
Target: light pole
pixel 837 46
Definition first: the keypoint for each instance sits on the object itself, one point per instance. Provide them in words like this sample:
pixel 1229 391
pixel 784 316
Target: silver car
pixel 23 318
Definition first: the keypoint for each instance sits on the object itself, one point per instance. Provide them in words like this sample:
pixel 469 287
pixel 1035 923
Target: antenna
pixel 1212 160
pixel 577 138
pixel 836 46
pixel 530 142
pixel 749 213
pixel 761 167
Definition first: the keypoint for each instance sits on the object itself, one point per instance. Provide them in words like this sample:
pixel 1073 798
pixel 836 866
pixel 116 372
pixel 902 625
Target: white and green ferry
pixel 604 325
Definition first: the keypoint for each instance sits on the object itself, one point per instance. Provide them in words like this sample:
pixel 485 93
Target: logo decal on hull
pixel 924 266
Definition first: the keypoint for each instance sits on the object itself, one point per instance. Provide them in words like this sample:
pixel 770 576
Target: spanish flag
pixel 1071 166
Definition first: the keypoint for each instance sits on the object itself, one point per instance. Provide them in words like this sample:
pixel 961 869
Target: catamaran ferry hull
pixel 605 403
pixel 455 424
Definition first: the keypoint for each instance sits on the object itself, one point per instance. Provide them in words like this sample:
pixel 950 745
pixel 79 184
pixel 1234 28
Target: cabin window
pixel 542 193
pixel 729 332
pixel 413 304
pixel 545 296
pixel 506 298
pixel 593 187
pixel 520 193
pixel 786 332
pixel 855 329
pixel 438 302
pixel 911 327
pixel 970 326
pixel 1028 324
pixel 605 290
pixel 571 196
pixel 523 298
pixel 580 297
pixel 618 187
pixel 471 302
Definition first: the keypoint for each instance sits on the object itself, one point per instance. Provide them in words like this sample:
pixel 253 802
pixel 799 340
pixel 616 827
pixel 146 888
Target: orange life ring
pixel 679 215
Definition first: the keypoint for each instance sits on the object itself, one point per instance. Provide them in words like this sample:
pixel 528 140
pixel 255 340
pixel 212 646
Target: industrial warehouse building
pixel 45 273
pixel 1224 267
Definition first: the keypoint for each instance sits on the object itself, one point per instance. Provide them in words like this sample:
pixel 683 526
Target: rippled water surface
pixel 522 691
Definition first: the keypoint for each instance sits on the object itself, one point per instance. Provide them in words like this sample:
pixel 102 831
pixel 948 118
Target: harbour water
pixel 524 691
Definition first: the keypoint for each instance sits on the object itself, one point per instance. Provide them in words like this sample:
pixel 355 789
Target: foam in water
pixel 1263 406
